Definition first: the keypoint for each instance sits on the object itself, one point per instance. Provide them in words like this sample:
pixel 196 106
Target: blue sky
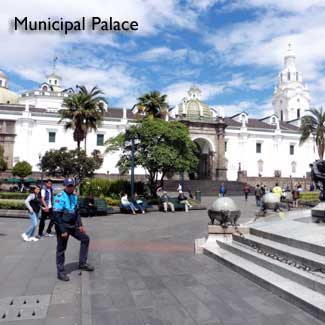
pixel 233 50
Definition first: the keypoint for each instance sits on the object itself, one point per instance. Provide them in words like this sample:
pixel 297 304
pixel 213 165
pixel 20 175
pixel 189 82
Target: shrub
pixel 103 187
pixel 12 204
pixel 112 202
pixel 13 195
pixel 309 196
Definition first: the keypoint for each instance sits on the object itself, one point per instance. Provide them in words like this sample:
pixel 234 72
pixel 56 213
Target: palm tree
pixel 152 104
pixel 84 112
pixel 314 124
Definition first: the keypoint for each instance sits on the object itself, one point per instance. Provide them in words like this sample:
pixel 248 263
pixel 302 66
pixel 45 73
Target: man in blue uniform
pixel 68 222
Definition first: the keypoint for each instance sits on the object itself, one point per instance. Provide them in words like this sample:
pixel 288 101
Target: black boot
pixel 86 267
pixel 63 276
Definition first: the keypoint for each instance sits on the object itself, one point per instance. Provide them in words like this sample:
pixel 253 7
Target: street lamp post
pixel 182 180
pixel 42 172
pixel 132 167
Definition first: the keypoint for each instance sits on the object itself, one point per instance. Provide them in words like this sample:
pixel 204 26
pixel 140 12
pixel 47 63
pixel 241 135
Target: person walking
pixel 68 223
pixel 183 200
pixel 258 195
pixel 277 190
pixel 295 197
pixel 33 204
pixel 166 203
pixel 222 190
pixel 246 191
pixel 47 210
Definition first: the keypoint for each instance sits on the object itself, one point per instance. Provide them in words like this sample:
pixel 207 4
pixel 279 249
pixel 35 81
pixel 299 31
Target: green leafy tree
pixel 314 124
pixel 84 112
pixel 71 163
pixel 160 147
pixel 3 163
pixel 22 169
pixel 152 104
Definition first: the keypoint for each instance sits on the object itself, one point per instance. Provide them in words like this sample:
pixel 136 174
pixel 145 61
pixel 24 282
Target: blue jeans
pixel 129 206
pixel 31 230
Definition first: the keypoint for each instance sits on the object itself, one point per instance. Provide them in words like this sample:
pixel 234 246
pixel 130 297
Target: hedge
pixel 103 187
pixel 112 202
pixel 13 195
pixel 12 204
pixel 309 196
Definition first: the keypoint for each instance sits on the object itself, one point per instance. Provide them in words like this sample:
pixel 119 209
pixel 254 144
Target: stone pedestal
pixel 218 230
pixel 319 211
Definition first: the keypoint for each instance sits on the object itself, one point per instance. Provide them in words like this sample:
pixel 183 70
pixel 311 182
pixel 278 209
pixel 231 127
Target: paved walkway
pixel 146 273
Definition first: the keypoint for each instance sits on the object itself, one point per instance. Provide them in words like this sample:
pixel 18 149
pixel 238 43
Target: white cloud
pixel 254 109
pixel 162 53
pixel 27 50
pixel 281 5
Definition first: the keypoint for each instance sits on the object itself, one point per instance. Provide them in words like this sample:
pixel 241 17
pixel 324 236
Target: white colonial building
pixel 267 147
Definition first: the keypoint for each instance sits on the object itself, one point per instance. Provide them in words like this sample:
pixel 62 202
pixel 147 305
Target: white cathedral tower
pixel 291 97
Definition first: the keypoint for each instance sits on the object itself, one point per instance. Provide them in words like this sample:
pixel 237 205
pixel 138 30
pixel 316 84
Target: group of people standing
pixel 39 200
pixel 63 213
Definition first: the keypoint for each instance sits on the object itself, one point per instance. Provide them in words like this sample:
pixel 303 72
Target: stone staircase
pixel 207 187
pixel 289 267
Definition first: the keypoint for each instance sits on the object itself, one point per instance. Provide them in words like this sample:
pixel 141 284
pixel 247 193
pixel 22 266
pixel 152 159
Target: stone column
pixel 221 170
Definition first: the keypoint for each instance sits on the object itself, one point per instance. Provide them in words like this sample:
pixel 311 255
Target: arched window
pixel 298 113
pixel 293 167
pixel 55 82
pixel 281 115
pixel 288 76
pixel 260 165
pixel 44 88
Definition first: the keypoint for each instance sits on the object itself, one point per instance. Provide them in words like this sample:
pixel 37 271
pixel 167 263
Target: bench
pixel 178 206
pixel 147 206
pixel 102 208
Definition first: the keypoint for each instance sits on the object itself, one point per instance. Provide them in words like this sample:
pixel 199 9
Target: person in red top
pixel 246 191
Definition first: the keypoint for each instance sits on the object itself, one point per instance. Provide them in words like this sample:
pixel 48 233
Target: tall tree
pixel 152 104
pixel 159 147
pixel 84 112
pixel 70 163
pixel 22 169
pixel 314 124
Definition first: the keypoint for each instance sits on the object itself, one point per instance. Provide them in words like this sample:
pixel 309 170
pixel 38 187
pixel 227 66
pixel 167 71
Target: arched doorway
pixel 205 155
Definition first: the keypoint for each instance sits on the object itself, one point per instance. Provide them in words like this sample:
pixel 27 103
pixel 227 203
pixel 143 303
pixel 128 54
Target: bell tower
pixel 291 97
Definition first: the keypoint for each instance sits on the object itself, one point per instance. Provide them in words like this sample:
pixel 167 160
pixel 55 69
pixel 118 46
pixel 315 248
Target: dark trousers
pixel 62 245
pixel 41 226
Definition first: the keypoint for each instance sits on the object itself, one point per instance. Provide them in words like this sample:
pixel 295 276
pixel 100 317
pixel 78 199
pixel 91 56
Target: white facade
pixel 258 146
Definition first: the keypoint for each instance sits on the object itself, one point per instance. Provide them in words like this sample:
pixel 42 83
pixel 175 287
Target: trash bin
pixel 198 195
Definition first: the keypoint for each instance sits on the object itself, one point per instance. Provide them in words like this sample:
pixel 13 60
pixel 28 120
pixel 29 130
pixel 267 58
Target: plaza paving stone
pixel 146 273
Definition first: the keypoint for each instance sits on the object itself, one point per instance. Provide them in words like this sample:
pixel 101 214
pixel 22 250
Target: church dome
pixel 7 96
pixel 193 108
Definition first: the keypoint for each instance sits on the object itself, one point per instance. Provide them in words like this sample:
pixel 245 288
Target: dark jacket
pixel 181 197
pixel 33 202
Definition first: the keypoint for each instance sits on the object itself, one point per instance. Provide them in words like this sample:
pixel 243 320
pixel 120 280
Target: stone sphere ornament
pixel 271 201
pixel 224 210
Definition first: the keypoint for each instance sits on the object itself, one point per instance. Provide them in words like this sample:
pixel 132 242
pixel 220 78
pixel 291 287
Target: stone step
pixel 289 241
pixel 296 255
pixel 207 187
pixel 310 280
pixel 309 300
